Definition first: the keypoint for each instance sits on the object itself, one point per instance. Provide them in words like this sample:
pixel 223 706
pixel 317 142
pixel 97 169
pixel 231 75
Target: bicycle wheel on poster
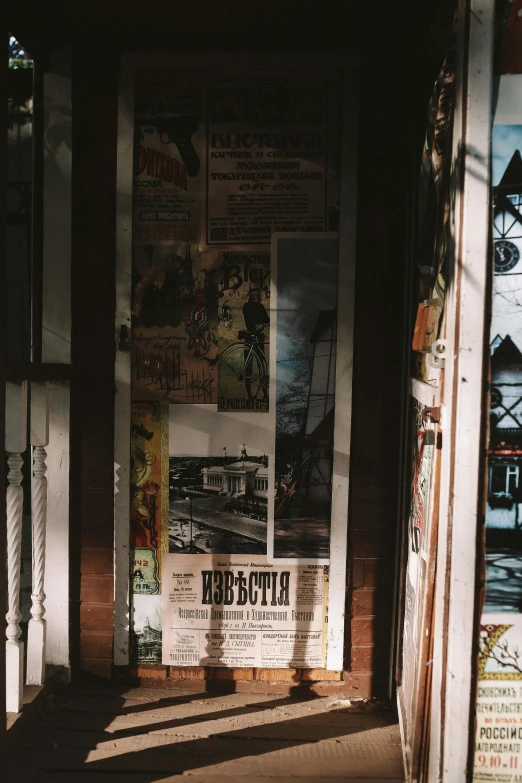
pixel 242 373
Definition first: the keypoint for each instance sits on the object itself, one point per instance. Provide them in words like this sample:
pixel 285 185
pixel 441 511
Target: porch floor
pixel 143 735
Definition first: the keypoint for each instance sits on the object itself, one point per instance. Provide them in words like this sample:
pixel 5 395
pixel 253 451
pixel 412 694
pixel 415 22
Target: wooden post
pixel 93 246
pixel 4 36
pixel 37 625
pixel 15 443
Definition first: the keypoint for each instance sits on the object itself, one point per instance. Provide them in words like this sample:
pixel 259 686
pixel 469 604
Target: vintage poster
pixel 307 270
pixel 237 611
pixel 218 499
pixel 169 143
pixel 148 526
pixel 149 476
pixel 146 634
pixel 498 740
pixel 145 574
pixel 174 323
pixel 174 285
pixel 266 158
pixel 243 331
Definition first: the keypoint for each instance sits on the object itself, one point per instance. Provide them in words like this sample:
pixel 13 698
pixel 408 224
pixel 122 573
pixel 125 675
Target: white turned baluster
pixel 37 625
pixel 15 443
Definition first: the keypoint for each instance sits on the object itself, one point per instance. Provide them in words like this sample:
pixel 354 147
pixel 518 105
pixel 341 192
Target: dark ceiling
pixel 364 27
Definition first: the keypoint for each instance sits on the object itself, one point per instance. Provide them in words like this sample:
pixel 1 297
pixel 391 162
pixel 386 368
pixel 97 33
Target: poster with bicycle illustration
pixel 243 331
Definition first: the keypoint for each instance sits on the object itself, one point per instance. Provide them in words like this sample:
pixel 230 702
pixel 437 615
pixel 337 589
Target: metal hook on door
pixel 436 358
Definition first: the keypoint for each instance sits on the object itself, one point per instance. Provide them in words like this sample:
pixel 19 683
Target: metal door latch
pixel 123 339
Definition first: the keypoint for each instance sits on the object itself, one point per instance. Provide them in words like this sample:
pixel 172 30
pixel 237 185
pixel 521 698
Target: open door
pixel 429 274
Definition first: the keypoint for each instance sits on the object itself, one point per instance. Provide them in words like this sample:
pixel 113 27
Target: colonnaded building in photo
pixel 239 479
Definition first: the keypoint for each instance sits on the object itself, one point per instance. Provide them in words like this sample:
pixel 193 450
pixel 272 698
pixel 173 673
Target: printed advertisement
pixel 145 578
pixel 498 740
pixel 149 490
pixel 168 149
pixel 244 612
pixel 149 474
pixel 174 323
pixel 244 331
pixel 307 270
pixel 266 165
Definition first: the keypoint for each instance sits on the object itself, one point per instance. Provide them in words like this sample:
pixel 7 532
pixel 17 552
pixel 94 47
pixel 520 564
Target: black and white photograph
pixel 218 504
pixel 218 482
pixel 146 631
pixel 307 271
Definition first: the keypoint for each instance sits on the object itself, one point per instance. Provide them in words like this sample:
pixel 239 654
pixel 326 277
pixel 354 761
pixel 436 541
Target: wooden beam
pixel 94 136
pixel 37 371
pixel 37 212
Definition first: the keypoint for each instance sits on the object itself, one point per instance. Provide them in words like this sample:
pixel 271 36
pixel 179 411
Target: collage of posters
pixel 233 376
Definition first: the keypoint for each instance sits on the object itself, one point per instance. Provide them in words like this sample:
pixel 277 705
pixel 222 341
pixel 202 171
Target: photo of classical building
pixel 242 478
pixel 146 632
pixel 218 504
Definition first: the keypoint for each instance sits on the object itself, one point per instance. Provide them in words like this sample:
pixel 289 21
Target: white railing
pixel 37 625
pixel 15 446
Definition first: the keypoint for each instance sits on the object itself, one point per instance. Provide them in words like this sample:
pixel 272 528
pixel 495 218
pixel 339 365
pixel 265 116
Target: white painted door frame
pixel 455 631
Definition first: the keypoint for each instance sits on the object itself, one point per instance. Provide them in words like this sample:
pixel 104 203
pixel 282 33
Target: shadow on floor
pixel 150 736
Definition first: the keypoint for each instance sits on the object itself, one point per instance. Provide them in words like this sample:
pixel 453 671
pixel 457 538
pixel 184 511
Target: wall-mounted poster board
pixel 239 297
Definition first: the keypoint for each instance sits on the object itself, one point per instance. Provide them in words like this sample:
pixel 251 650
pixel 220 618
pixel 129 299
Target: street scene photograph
pixel 218 504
